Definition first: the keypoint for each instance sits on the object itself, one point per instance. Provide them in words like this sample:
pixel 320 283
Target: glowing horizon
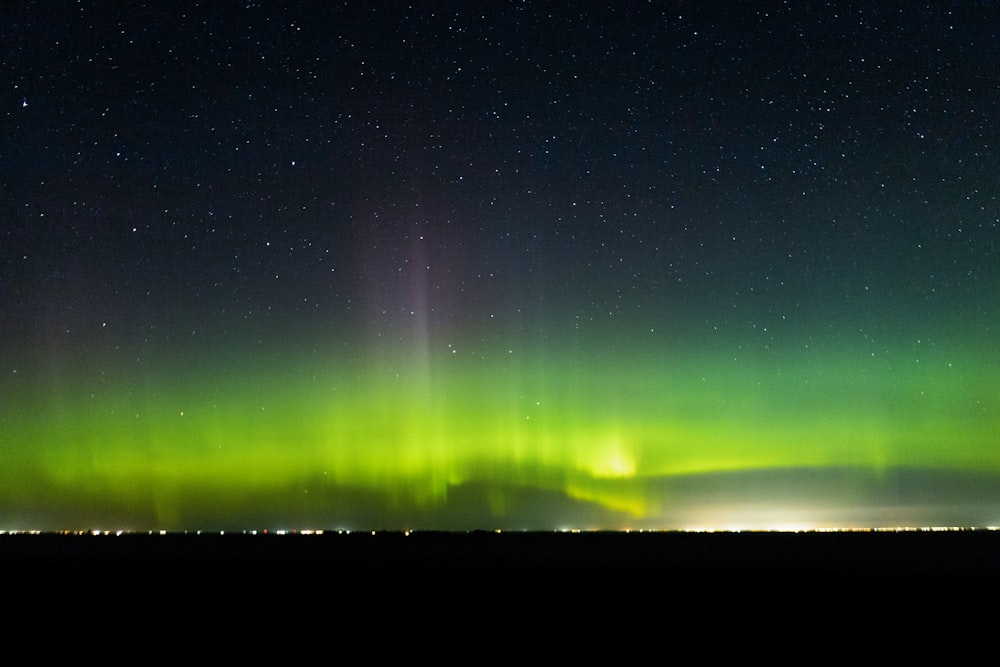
pixel 592 432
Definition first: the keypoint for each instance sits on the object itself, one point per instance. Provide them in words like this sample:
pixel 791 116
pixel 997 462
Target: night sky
pixel 462 265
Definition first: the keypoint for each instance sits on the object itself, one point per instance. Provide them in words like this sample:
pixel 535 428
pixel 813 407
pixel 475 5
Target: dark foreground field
pixel 874 552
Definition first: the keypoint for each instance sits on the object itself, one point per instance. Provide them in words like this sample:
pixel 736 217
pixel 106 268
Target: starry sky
pixel 499 265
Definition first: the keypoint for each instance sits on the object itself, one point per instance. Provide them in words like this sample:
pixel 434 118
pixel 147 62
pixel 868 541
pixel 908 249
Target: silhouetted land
pixel 973 552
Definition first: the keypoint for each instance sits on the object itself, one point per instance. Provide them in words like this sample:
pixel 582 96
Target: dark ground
pixel 961 552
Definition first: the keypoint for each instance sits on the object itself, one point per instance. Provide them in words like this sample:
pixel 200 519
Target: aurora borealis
pixel 605 266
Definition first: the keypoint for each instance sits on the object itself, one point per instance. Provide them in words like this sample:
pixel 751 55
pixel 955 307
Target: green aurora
pixel 392 439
